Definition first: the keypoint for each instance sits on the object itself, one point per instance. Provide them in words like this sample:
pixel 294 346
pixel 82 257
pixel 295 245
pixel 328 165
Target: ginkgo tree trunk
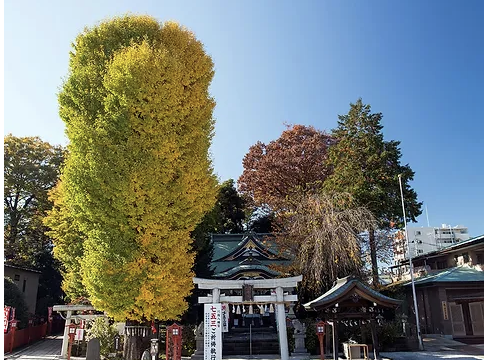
pixel 138 177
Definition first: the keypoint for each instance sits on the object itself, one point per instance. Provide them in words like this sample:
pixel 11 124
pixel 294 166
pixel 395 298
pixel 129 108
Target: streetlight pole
pixel 419 335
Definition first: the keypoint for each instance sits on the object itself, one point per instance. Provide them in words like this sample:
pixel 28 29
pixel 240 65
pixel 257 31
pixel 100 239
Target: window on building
pixel 419 241
pixel 17 277
pixel 418 232
pixel 420 251
pixel 441 264
pixel 23 286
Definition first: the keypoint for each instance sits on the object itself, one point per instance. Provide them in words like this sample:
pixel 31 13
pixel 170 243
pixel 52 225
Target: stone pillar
pixel 199 353
pixel 65 338
pixel 93 349
pixel 282 326
pixel 216 293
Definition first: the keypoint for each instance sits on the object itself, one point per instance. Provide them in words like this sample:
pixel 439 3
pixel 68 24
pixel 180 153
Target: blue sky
pixel 418 62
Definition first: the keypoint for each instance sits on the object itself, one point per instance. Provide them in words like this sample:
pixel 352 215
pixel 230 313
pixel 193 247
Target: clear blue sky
pixel 418 62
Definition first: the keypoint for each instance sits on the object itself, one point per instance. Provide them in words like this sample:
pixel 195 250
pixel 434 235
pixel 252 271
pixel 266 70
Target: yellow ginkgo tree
pixel 138 177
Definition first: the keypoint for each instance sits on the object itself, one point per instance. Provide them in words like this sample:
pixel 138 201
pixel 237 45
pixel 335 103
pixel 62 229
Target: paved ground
pixel 48 349
pixel 432 355
pixel 436 349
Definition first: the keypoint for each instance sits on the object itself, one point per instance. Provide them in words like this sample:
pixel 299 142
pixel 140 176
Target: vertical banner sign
pixel 49 313
pixel 213 345
pixel 444 310
pixel 13 313
pixel 225 317
pixel 6 314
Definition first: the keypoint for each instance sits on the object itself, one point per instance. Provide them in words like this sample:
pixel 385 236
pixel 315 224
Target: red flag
pixel 6 314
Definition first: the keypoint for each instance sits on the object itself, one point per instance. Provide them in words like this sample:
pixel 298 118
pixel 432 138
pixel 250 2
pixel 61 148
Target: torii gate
pixel 70 316
pixel 279 299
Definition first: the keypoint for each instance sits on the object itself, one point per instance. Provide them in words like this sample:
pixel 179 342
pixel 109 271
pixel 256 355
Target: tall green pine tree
pixel 367 166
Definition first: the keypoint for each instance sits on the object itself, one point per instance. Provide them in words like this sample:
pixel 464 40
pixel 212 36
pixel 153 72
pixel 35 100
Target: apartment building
pixel 423 240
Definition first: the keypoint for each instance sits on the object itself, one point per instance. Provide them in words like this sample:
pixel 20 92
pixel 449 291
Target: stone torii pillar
pixel 69 314
pixel 282 326
pixel 65 341
pixel 216 296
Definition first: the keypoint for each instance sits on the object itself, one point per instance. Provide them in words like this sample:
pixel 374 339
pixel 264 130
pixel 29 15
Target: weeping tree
pixel 322 233
pixel 138 178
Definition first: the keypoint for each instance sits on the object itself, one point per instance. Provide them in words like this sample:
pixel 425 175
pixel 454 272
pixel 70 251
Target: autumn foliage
pixel 296 162
pixel 138 178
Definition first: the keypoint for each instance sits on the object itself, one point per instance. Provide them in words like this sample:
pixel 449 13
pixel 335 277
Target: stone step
pixel 258 348
pixel 253 329
pixel 246 338
pixel 264 341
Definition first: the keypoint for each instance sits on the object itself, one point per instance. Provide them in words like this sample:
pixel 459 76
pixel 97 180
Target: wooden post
pixel 335 339
pixel 174 340
pixel 71 333
pixel 327 339
pixel 320 329
pixel 13 328
pixel 29 330
pixel 374 338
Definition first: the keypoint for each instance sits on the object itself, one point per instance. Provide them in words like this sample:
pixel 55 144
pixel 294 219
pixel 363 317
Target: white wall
pixel 427 239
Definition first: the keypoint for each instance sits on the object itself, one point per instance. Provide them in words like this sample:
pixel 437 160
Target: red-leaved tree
pixel 294 163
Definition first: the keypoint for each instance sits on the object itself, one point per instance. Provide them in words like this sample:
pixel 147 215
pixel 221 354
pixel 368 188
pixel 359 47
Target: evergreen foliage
pixel 231 209
pixel 367 166
pixel 32 168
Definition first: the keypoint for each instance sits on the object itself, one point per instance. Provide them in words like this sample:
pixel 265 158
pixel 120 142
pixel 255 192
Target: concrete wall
pixel 28 283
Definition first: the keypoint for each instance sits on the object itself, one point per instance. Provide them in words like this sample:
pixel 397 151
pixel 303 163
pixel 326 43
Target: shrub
pixel 188 340
pixel 103 331
pixel 311 339
pixel 290 338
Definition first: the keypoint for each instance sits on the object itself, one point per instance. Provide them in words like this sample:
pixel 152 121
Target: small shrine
pixel 349 300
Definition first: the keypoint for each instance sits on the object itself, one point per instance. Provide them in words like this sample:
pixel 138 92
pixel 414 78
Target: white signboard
pixel 225 313
pixel 213 344
pixel 79 334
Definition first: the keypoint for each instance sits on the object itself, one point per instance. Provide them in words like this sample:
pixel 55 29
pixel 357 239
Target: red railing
pixel 23 337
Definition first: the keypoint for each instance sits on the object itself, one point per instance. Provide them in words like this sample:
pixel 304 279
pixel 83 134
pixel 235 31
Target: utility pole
pixel 419 335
